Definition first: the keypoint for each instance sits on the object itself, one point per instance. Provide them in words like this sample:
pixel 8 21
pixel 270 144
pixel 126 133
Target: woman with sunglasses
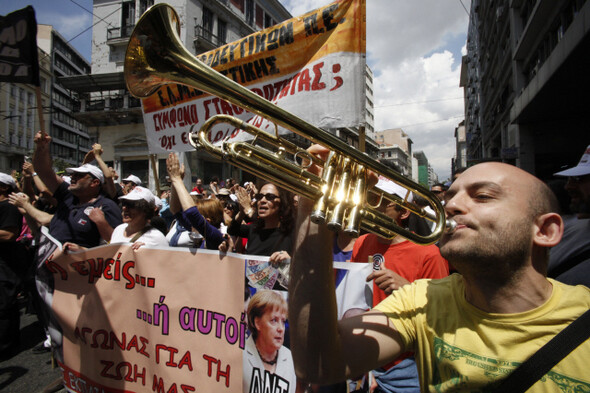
pixel 271 232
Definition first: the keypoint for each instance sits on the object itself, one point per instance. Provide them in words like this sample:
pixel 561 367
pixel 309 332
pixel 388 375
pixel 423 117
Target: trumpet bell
pixel 155 57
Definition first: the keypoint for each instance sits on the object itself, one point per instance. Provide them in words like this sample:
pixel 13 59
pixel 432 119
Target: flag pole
pixel 40 110
pixel 155 171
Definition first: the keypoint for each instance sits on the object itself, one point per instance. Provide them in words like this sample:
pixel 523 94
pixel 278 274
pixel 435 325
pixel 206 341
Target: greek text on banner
pixel 313 66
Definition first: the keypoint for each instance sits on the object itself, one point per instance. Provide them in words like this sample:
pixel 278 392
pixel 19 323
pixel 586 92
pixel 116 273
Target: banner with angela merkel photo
pixel 313 66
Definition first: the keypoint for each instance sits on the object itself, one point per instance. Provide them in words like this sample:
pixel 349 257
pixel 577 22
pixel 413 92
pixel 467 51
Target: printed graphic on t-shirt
pixel 460 369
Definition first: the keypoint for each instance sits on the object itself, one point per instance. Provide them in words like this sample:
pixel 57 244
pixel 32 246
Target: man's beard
pixel 499 252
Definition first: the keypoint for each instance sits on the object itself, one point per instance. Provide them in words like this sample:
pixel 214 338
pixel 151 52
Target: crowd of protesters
pixel 86 207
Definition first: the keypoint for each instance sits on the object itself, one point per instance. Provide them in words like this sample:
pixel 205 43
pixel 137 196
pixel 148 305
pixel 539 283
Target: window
pixel 144 5
pixel 250 11
pixel 128 18
pixel 221 32
pixel 207 20
pixel 268 22
pixel 239 4
pixel 259 16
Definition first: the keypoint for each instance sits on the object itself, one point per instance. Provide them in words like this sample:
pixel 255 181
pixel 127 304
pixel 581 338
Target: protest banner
pixel 18 47
pixel 353 292
pixel 162 320
pixel 312 66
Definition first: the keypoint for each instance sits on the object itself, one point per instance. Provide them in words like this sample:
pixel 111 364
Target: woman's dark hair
pixel 148 208
pixel 286 212
pixel 233 205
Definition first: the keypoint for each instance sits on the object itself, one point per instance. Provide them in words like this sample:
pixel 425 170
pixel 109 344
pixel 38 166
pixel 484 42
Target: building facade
pixel 460 159
pixel 114 117
pixel 70 139
pixel 395 146
pixel 20 119
pixel 526 83
pixel 422 168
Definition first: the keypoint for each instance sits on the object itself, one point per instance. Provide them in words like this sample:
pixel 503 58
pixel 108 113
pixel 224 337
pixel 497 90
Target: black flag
pixel 18 47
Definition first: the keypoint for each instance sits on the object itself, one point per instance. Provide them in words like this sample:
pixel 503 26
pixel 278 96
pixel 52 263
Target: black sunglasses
pixel 269 196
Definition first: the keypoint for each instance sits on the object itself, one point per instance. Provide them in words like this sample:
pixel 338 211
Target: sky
pixel 414 49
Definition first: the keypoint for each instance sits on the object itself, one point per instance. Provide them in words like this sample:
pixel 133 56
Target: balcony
pixel 108 111
pixel 206 39
pixel 119 35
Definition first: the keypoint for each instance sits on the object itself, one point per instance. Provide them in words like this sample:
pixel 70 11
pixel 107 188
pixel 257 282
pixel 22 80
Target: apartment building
pixel 395 146
pixel 526 81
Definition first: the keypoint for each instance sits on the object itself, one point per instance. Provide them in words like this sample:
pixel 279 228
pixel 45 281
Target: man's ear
pixel 405 214
pixel 548 230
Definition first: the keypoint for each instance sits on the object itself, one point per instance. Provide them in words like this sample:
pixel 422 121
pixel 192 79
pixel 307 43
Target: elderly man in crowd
pixel 83 216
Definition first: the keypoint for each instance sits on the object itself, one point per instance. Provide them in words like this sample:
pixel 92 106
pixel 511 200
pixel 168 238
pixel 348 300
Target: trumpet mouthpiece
pixel 450 225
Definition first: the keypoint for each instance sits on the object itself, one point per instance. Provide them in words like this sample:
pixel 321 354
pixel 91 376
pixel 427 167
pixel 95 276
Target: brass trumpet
pixel 156 56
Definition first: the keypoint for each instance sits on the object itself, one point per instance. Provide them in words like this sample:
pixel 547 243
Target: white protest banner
pixel 161 320
pixel 312 66
pixel 353 292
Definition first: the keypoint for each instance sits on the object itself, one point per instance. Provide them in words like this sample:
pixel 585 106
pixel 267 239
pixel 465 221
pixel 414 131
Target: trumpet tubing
pixel 155 57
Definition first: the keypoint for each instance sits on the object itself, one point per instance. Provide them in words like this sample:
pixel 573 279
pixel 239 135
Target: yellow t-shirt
pixel 461 348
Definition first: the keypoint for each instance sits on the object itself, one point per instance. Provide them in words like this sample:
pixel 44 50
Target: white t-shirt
pixel 152 238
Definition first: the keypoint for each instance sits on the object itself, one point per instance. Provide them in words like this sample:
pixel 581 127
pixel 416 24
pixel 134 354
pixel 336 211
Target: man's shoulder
pixel 578 292
pixel 103 200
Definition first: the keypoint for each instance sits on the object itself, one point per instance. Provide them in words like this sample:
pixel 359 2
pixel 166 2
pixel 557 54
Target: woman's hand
pixel 227 244
pixel 278 257
pixel 72 247
pixel 135 246
pixel 28 169
pixel 243 199
pixel 175 170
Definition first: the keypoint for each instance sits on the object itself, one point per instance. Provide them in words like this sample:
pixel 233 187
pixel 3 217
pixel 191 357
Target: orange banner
pixel 312 65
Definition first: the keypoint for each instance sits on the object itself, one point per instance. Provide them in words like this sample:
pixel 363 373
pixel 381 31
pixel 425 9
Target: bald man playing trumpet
pixel 469 330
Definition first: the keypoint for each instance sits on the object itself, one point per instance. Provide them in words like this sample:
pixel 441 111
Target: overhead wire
pixel 419 102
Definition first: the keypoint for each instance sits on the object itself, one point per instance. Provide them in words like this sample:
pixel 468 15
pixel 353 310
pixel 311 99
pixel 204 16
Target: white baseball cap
pixel 158 202
pixel 8 180
pixel 133 179
pixel 140 193
pixel 88 168
pixel 583 167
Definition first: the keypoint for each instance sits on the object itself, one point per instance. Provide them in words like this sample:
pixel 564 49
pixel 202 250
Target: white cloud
pixel 70 25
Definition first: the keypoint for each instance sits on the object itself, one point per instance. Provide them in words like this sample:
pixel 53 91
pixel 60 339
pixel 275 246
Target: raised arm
pixel 109 183
pixel 324 349
pixel 31 213
pixel 179 193
pixel 42 162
